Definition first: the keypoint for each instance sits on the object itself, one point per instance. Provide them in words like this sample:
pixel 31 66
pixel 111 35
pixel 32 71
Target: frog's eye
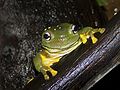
pixel 75 29
pixel 47 36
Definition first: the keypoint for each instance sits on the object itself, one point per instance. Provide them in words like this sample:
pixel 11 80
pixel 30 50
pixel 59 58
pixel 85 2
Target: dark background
pixel 110 81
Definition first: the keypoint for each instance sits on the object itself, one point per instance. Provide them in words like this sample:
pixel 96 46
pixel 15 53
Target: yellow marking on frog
pixel 90 33
pixel 83 38
pixel 48 61
pixel 94 39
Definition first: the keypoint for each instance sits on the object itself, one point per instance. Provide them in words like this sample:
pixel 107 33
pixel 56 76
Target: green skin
pixel 58 41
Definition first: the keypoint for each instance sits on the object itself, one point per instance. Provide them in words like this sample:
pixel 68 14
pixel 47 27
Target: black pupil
pixel 47 36
pixel 76 28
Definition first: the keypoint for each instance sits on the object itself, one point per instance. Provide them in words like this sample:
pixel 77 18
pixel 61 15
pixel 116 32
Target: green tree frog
pixel 58 41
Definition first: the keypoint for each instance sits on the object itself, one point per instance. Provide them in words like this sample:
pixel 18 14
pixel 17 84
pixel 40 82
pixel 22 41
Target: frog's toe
pixel 53 72
pixel 94 39
pixel 43 71
pixel 46 77
pixel 102 30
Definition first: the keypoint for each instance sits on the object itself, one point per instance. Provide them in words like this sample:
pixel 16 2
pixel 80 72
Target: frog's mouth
pixel 64 50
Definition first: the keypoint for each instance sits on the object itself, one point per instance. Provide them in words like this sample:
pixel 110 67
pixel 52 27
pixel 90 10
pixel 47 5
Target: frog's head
pixel 60 37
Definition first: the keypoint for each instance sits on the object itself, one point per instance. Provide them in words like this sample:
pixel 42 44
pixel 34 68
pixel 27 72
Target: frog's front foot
pixel 94 39
pixel 93 31
pixel 89 32
pixel 48 68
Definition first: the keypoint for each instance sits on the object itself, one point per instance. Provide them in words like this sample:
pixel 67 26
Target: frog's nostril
pixel 62 37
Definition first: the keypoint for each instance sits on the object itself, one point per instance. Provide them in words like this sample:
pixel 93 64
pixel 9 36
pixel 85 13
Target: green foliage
pixel 102 2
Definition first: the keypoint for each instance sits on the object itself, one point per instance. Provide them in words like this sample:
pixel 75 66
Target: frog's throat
pixel 62 52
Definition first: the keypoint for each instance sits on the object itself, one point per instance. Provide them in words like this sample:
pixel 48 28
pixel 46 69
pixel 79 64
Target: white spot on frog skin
pixel 54 29
pixel 60 27
pixel 57 25
pixel 49 27
pixel 62 37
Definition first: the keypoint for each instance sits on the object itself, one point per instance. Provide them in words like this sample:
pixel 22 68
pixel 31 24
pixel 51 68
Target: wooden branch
pixel 98 59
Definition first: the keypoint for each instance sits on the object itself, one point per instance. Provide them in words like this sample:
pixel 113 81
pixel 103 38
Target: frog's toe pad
pixel 53 72
pixel 84 41
pixel 102 30
pixel 46 77
pixel 94 39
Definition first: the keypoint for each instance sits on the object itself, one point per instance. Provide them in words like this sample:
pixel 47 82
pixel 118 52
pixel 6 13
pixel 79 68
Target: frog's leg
pixel 48 61
pixel 44 72
pixel 93 31
pixel 39 65
pixel 101 30
pixel 52 71
pixel 89 32
pixel 46 68
pixel 94 39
